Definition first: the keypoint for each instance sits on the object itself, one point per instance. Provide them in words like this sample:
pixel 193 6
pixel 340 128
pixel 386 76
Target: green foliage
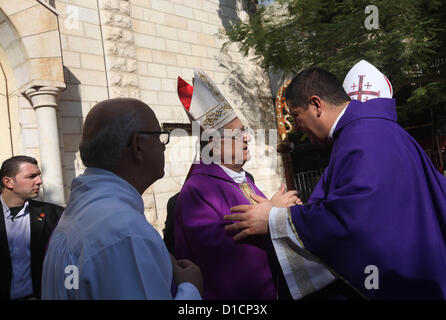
pixel 409 45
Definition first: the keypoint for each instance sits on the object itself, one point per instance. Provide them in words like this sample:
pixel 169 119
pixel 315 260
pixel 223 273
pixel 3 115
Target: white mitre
pixel 204 102
pixel 364 82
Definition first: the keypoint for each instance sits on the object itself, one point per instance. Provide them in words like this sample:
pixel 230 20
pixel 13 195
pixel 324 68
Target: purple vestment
pixel 230 270
pixel 380 202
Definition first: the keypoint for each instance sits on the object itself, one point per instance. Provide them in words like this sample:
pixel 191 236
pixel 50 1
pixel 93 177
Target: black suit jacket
pixel 41 229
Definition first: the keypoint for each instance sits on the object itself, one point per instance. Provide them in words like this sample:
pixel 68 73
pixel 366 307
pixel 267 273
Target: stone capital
pixel 42 96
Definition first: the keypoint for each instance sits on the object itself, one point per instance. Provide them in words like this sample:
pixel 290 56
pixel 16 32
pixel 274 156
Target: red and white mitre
pixel 204 102
pixel 364 82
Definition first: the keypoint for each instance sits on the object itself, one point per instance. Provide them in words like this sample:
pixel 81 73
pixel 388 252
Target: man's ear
pixel 136 147
pixel 316 102
pixel 8 182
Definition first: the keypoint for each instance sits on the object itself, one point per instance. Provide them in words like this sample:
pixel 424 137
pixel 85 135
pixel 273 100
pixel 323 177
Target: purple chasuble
pixel 230 270
pixel 380 202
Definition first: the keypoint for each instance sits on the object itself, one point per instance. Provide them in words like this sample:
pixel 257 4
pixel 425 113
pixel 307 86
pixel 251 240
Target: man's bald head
pixel 108 128
pixel 108 110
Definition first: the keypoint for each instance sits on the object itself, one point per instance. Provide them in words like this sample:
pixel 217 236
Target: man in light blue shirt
pixel 19 235
pixel 103 247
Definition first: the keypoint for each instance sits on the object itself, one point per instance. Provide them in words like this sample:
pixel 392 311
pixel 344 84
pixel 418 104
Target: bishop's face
pixel 233 146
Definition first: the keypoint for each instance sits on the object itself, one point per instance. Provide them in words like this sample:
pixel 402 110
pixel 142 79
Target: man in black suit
pixel 25 228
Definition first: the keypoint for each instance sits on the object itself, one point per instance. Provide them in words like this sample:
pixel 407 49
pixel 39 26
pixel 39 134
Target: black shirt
pixel 16 210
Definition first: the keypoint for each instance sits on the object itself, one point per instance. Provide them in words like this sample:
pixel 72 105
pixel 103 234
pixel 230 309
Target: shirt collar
pixel 238 177
pixel 333 127
pixel 7 211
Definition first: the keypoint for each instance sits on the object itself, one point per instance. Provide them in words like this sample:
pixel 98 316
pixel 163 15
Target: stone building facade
pixel 59 58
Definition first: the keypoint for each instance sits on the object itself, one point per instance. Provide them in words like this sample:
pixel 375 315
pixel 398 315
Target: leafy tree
pixel 408 46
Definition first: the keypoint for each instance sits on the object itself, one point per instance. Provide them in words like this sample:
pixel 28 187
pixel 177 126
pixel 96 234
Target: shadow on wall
pixel 70 126
pixel 250 85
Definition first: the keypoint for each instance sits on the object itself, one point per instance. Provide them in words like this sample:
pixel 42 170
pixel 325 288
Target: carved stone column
pixel 44 102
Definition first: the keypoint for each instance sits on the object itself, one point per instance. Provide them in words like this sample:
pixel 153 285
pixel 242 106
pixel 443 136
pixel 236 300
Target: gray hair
pixel 105 148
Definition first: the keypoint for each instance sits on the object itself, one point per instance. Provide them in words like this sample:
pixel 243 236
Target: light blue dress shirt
pixel 18 232
pixel 104 248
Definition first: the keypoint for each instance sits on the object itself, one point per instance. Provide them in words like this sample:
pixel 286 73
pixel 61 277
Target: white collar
pixel 333 127
pixel 238 177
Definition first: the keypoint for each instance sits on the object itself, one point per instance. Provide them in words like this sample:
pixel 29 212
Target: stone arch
pixel 31 56
pixel 9 119
pixel 31 41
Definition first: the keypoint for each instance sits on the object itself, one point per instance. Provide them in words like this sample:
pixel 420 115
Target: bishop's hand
pixel 282 199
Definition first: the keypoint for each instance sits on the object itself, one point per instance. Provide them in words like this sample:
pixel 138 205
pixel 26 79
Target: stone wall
pixel 30 57
pixel 138 48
